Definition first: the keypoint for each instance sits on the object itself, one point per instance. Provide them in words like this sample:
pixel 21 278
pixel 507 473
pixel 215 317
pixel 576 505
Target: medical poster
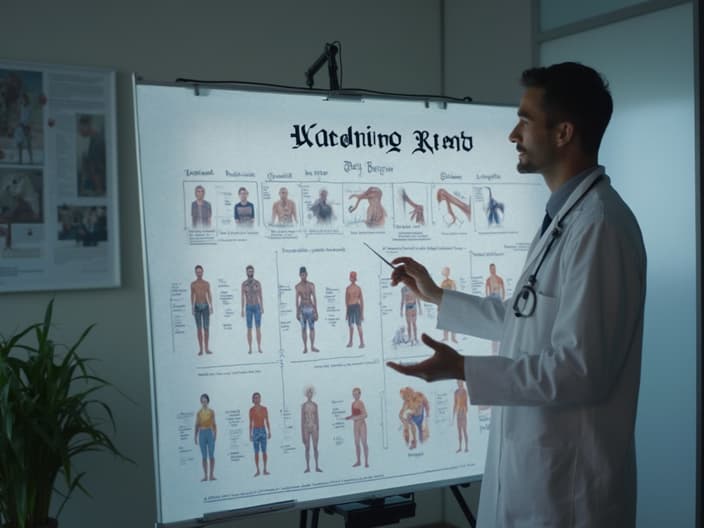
pixel 58 178
pixel 271 318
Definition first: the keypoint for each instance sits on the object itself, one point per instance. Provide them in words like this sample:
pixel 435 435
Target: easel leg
pixel 463 506
pixel 314 520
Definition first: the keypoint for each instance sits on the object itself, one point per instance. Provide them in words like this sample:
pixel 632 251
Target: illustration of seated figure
pixel 413 415
pixel 376 214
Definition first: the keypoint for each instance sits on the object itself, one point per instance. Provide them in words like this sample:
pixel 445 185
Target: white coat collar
pixel 539 244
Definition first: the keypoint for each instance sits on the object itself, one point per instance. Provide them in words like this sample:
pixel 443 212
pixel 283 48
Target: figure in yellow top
pixel 205 433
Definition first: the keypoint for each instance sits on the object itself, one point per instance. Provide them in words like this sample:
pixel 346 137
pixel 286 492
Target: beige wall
pixel 390 45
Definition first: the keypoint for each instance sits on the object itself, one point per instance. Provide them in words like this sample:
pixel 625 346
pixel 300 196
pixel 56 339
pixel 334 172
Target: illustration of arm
pixel 260 298
pixel 251 425
pixel 303 418
pixel 209 298
pixel 215 427
pixel 314 300
pixel 361 305
pixel 417 209
pixel 196 428
pixel 242 298
pixel 426 404
pixel 362 411
pixel 451 199
pixel 298 303
pixel 193 299
pixel 266 422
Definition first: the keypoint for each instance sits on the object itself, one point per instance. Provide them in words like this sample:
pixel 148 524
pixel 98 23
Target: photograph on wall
pixel 58 178
pixel 91 155
pixel 21 196
pixel 22 102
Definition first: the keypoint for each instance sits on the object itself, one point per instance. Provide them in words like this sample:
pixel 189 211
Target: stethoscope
pixel 525 301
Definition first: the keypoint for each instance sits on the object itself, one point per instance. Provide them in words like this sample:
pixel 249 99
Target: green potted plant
pixel 49 414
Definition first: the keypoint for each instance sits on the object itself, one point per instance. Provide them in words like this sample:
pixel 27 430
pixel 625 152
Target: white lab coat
pixel 564 387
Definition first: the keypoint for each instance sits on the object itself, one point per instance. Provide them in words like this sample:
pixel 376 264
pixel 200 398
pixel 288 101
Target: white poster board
pixel 438 183
pixel 58 178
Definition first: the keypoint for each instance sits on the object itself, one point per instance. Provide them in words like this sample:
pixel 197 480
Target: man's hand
pixel 446 363
pixel 414 275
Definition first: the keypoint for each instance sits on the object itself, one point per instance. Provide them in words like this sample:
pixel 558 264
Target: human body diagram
pixel 494 287
pixel 202 308
pixel 414 414
pixel 205 433
pixel 358 415
pixel 252 307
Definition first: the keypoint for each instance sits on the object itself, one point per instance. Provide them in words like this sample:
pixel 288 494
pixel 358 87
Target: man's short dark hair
pixel 575 93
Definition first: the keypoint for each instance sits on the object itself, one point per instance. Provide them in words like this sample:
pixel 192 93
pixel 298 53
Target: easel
pixel 463 503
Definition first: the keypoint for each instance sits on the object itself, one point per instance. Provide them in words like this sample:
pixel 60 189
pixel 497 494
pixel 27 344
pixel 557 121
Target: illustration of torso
pixel 252 291
pixel 284 211
pixel 305 291
pixel 205 418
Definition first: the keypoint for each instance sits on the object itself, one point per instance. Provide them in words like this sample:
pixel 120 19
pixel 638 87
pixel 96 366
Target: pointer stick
pixel 378 255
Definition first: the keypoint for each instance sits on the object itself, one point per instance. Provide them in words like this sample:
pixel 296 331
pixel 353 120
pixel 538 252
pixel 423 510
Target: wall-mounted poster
pixel 58 178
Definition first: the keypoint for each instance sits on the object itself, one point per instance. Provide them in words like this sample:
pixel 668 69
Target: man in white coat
pixel 564 387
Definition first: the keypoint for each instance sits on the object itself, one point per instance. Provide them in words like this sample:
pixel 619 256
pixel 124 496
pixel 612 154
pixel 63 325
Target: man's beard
pixel 526 166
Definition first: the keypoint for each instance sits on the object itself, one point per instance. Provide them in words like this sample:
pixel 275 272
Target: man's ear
pixel 564 133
